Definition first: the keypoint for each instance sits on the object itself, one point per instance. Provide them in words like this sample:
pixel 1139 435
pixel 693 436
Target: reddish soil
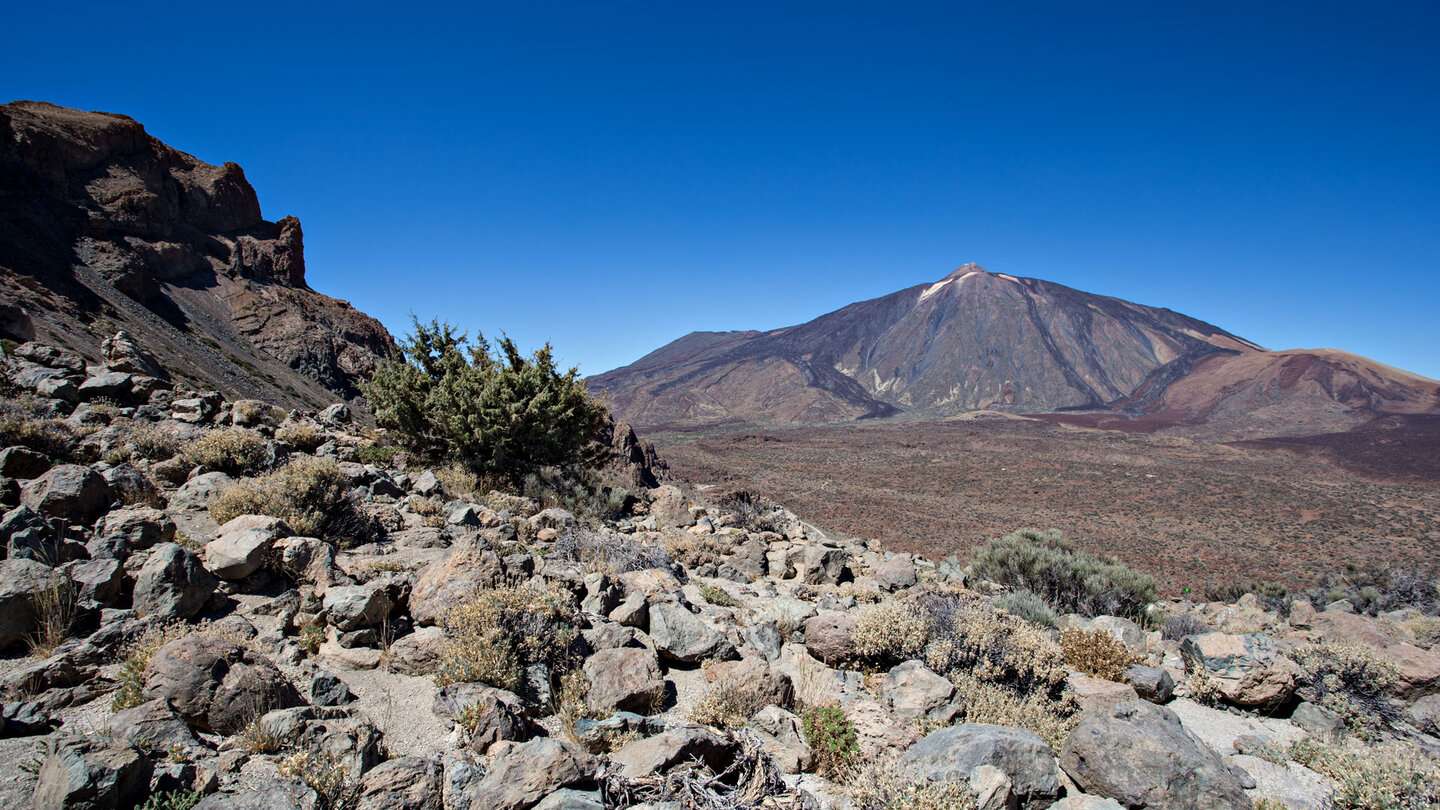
pixel 1190 512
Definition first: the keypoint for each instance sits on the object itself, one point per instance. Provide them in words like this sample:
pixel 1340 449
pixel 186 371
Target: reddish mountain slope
pixel 972 340
pixel 103 227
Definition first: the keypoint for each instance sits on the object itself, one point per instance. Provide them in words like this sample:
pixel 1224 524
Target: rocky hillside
pixel 212 604
pixel 104 228
pixel 976 340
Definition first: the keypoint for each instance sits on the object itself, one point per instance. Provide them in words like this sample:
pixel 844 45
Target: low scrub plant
pixel 1272 596
pixel 325 773
pixel 235 451
pixel 1350 681
pixel 378 454
pixel 609 552
pixel 1182 625
pixel 173 800
pixel 310 494
pixel 577 491
pixel 968 636
pixel 54 607
pixel 1376 590
pixel 23 423
pixel 831 736
pixel 147 442
pixel 730 703
pixel 1068 579
pixel 717 596
pixel 1051 718
pixel 1096 653
pixel 1028 606
pixel 494 635
pixel 1389 777
pixel 890 632
pixel 881 786
pixel 302 436
pixel 752 511
pixel 696 550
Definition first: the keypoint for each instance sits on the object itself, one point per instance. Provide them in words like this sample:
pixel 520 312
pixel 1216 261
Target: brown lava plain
pixel 1189 512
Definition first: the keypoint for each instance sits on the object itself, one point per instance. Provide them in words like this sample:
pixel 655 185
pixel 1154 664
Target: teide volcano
pixel 977 340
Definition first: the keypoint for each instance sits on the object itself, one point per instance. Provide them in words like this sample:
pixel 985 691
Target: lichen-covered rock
pixel 1248 669
pixel 407 783
pixel 951 754
pixel 523 774
pixel 830 637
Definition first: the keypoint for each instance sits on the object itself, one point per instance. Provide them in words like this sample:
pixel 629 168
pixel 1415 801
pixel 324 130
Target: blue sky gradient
pixel 611 175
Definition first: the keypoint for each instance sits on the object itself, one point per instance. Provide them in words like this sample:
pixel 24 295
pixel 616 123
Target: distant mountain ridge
pixel 976 340
pixel 103 228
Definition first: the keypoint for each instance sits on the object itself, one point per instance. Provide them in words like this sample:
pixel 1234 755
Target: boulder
pixel 682 636
pixel 20 580
pixel 491 714
pixel 599 736
pixel 1247 668
pixel 278 794
pixel 172 584
pixel 522 775
pixel 131 485
pixel 141 526
pixel 326 689
pixel 23 463
pixel 669 507
pixel 112 385
pixel 1319 721
pixel 879 734
pixel 419 653
pixel 217 686
pixel 658 754
pixel 195 495
pixel 1151 683
pixel 782 736
pixel 348 736
pixel 951 754
pixel 1425 714
pixel 1140 755
pixel 624 679
pixel 823 565
pixel 470 565
pixel 74 493
pixel 1122 630
pixel 898 572
pixel 407 783
pixel 85 773
pixel 914 691
pixel 830 637
pixel 1097 695
pixel 100 581
pixel 154 727
pixel 243 546
pixel 352 607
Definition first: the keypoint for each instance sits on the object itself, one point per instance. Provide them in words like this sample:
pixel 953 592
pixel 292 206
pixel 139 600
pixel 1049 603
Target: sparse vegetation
pixel 1389 777
pixel 54 608
pixel 326 774
pixel 130 680
pixel 500 631
pixel 22 423
pixel 890 632
pixel 1028 606
pixel 489 408
pixel 730 703
pixel 579 492
pixel 1178 627
pixel 1377 590
pixel 967 636
pixel 310 494
pixel 1096 653
pixel 1350 681
pixel 1068 579
pixel 831 735
pixel 380 454
pixel 173 800
pixel 148 442
pixel 235 451
pixel 611 553
pixel 302 436
pixel 717 596
pixel 258 738
pixel 880 786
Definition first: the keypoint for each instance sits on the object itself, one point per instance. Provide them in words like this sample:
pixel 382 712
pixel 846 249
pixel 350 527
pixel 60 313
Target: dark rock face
pixel 972 340
pixel 217 685
pixel 113 222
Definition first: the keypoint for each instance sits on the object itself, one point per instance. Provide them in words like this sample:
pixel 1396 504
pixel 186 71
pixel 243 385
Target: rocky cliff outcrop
pixel 102 226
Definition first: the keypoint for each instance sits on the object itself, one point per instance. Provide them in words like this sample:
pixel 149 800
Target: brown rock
pixel 216 685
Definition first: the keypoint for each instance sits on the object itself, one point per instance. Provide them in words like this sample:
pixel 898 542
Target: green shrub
pixel 1096 653
pixel 1272 596
pixel 1069 580
pixel 579 492
pixel 717 596
pixel 173 800
pixel 310 494
pixel 493 636
pixel 493 410
pixel 1027 606
pixel 831 736
pixel 378 454
pixel 1350 681
pixel 235 451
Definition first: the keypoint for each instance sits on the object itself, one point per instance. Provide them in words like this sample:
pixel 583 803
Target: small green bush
pixel 831 736
pixel 1027 606
pixel 310 494
pixel 377 454
pixel 717 596
pixel 235 451
pixel 1375 590
pixel 173 800
pixel 1069 580
pixel 968 636
pixel 492 409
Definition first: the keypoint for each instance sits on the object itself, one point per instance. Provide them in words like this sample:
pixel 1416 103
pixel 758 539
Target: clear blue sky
pixel 612 175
